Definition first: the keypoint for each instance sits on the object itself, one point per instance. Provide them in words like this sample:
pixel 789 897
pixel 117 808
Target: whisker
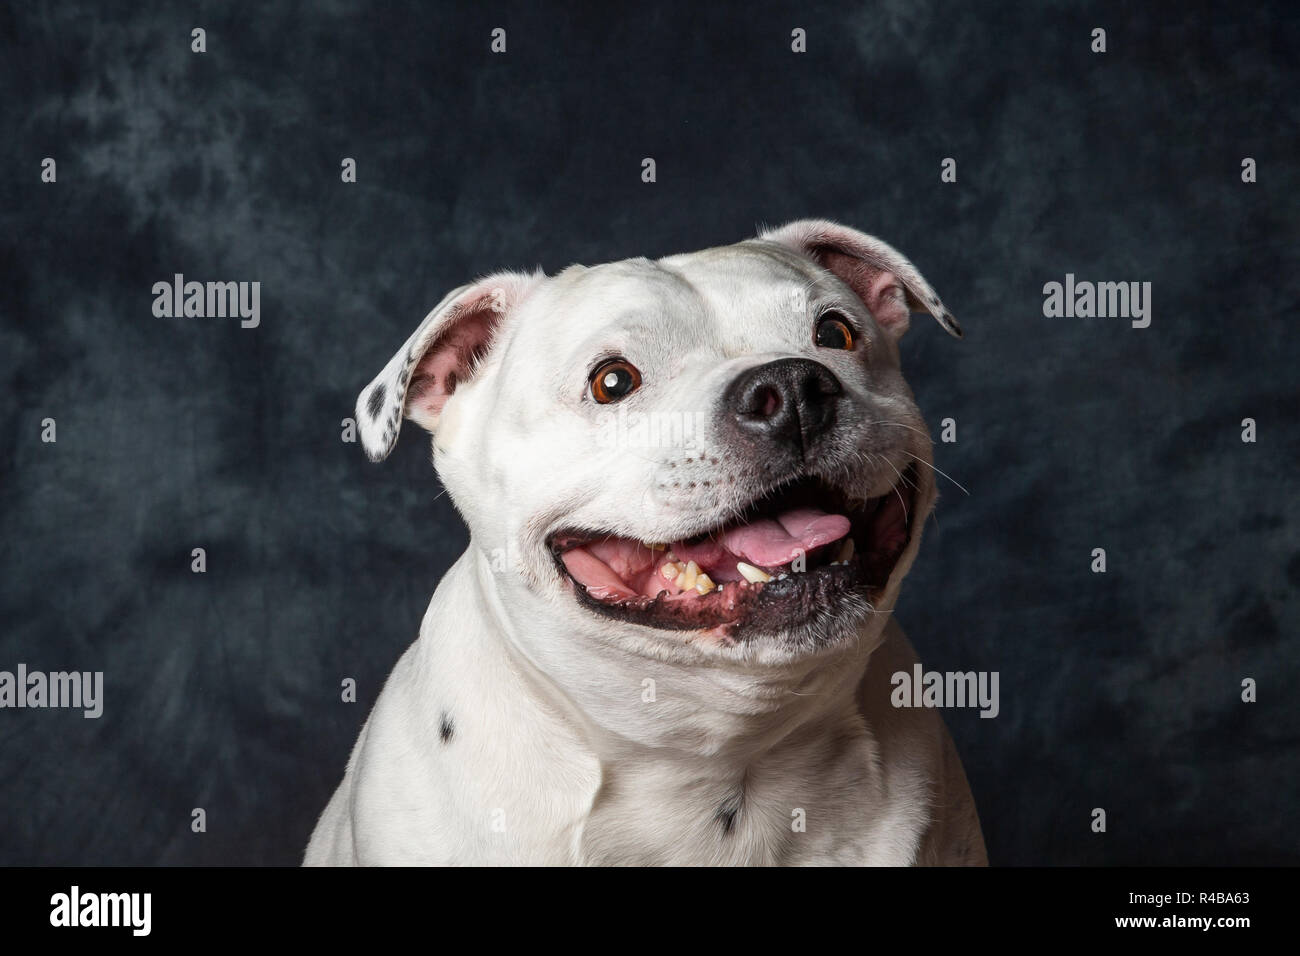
pixel 937 471
pixel 919 431
pixel 901 480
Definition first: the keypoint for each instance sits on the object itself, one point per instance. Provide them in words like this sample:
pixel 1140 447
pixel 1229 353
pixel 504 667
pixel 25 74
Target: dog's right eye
pixel 614 380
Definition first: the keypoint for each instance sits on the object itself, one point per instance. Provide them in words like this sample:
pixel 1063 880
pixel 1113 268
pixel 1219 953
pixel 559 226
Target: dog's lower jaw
pixel 629 689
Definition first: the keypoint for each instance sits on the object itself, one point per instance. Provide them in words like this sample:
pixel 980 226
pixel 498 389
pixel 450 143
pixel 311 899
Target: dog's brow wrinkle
pixel 729 810
pixel 673 273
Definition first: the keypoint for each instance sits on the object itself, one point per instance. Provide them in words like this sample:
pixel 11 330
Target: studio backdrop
pixel 1104 194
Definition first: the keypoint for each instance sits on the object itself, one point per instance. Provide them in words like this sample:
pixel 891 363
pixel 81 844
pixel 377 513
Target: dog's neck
pixel 628 706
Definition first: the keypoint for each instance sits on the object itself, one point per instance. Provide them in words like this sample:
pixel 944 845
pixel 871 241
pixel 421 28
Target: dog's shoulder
pixel 919 758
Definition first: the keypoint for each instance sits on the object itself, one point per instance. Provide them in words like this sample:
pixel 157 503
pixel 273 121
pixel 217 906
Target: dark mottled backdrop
pixel 1119 690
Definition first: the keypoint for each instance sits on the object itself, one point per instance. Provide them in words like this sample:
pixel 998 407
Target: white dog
pixel 693 486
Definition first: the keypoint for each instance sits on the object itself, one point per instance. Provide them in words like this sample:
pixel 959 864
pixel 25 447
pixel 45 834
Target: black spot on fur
pixel 730 809
pixel 447 728
pixel 375 403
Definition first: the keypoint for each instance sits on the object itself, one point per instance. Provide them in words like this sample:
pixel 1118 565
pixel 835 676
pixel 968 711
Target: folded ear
pixel 878 273
pixel 442 353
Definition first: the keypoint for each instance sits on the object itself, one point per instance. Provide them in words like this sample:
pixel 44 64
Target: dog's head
pixel 714 450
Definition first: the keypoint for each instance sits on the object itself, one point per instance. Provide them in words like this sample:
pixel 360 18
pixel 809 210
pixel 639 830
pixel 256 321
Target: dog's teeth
pixel 656 546
pixel 846 551
pixel 752 574
pixel 688 576
pixel 703 583
pixel 669 571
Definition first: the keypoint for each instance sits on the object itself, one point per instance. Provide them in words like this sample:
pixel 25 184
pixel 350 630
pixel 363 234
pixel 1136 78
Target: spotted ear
pixel 879 274
pixel 445 351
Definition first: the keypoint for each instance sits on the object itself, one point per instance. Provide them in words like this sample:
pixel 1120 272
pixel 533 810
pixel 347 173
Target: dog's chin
pixel 804 566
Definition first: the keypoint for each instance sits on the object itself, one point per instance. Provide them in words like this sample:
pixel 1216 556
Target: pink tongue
pixel 620 568
pixel 769 543
pixel 599 578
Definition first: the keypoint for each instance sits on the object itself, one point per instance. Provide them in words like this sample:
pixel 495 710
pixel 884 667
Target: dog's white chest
pixel 822 804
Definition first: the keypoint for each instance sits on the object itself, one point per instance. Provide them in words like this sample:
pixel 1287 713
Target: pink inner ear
pixel 882 291
pixel 447 363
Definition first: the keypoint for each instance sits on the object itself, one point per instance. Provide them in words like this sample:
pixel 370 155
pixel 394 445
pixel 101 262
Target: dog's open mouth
pixel 786 559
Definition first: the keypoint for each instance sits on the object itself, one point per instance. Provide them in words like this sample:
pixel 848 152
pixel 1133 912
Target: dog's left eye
pixel 613 380
pixel 834 332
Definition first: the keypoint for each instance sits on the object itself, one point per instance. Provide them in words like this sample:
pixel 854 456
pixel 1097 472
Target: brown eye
pixel 834 332
pixel 613 380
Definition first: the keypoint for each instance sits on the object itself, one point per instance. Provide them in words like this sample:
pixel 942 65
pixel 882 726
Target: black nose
pixel 790 402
